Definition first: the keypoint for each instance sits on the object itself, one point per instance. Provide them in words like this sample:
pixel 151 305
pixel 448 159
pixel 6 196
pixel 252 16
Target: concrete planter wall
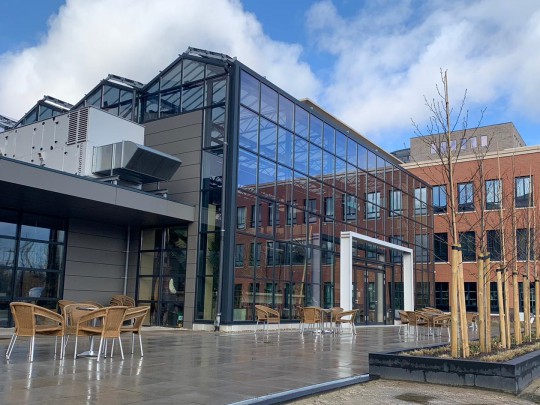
pixel 510 376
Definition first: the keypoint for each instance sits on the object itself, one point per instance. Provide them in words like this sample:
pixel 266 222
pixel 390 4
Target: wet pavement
pixel 198 367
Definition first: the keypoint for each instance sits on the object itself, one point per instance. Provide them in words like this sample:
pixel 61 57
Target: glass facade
pixel 32 259
pixel 301 181
pixel 162 274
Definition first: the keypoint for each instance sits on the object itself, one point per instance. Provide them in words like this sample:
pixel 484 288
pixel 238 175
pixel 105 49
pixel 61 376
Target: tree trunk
pixel 517 321
pixel 537 307
pixel 481 305
pixel 487 300
pixel 463 308
pixel 502 317
pixel 506 293
pixel 527 307
pixel 454 303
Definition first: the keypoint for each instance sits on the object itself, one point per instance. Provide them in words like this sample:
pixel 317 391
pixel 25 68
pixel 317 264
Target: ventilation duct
pixel 134 163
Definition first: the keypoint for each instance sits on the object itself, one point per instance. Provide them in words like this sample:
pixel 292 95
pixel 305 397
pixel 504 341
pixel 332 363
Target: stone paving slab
pixel 193 367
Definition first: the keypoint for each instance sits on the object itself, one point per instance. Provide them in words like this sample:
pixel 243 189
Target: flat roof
pixel 46 191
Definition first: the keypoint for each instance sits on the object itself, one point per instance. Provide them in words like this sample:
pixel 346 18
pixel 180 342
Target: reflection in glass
pixel 193 71
pixel 285 147
pixel 249 125
pixel 315 130
pixel 36 284
pixel 249 91
pixel 247 169
pixel 36 255
pixel 269 103
pixel 301 122
pixel 172 78
pixel 267 139
pixel 286 113
pixel 170 104
pixel 192 97
pixel 300 155
pixel 7 252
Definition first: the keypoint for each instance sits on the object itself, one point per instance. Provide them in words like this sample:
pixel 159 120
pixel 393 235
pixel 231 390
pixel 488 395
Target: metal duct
pixel 133 162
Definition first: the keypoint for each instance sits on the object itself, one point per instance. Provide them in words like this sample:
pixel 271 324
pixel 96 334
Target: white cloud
pixel 136 38
pixel 388 57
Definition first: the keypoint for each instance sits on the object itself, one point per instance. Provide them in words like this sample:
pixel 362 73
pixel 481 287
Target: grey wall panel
pixel 95 261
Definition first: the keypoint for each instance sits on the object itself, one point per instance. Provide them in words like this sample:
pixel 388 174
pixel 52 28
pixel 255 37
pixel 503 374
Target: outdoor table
pixel 90 352
pixel 325 314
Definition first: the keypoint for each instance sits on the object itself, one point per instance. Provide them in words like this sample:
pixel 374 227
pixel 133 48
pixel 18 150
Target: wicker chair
pixel 63 303
pixel 334 314
pixel 136 317
pixel 72 313
pixel 404 321
pixel 122 300
pixel 416 319
pixel 442 321
pixel 266 315
pixel 347 317
pixel 310 316
pixel 111 322
pixel 472 318
pixel 32 320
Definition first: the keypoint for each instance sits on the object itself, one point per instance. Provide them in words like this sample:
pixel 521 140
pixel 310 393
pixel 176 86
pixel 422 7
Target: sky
pixel 371 64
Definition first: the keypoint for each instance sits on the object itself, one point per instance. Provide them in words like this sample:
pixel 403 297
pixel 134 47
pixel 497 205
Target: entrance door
pixel 369 295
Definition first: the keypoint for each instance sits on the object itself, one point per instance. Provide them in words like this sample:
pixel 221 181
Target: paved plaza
pixel 186 367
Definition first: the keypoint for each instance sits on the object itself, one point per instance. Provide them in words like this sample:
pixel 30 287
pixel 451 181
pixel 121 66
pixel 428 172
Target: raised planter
pixel 509 376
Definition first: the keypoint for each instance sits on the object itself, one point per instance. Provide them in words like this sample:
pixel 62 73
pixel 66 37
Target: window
pixel 258 213
pixel 291 215
pixel 463 144
pixel 442 296
pixel 522 236
pixel 493 297
pixel 433 149
pixel 483 141
pixel 273 214
pixel 395 203
pixel 311 206
pixel 255 254
pixel 241 218
pixel 465 197
pixel 373 201
pixel 239 255
pixel 328 208
pixel 443 147
pixel 349 211
pixel 468 246
pixel 440 247
pixel 439 199
pixel 396 255
pixel 523 191
pixel 420 201
pixel 493 194
pixel 470 296
pixel 494 245
pixel 421 251
pixel 473 143
pixel 453 144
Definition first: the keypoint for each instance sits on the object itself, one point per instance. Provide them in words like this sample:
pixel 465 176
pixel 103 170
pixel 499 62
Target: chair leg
pixel 133 343
pixel 10 347
pixel 112 347
pixel 140 343
pixel 100 346
pixel 75 351
pixel 121 349
pixel 32 341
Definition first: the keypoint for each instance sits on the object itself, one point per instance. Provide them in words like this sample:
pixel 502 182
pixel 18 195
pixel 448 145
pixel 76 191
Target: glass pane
pixel 148 288
pixel 300 155
pixel 217 89
pixel 126 104
pixel 36 284
pixel 192 97
pixel 315 130
pixel 247 169
pixel 249 125
pixel 151 239
pixel 193 71
pixel 150 108
pixel 286 113
pixel 213 70
pixel 329 138
pixel 215 127
pixel 36 255
pixel 172 78
pixel 267 139
pixel 269 102
pixel 249 91
pixel 170 104
pixel 42 228
pixel 44 113
pixel 328 167
pixel 315 160
pixel 362 157
pixel 174 275
pixel 341 145
pixel 111 96
pixel 94 99
pixel 7 252
pixel 176 238
pixel 301 122
pixel 351 151
pixel 150 262
pixel 267 178
pixel 285 147
pixel 5 283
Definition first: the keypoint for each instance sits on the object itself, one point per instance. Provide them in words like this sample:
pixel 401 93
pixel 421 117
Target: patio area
pixel 187 367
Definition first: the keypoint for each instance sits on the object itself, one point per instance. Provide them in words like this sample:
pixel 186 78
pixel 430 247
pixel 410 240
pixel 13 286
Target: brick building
pixel 494 181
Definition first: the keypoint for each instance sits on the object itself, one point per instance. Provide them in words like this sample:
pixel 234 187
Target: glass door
pixel 375 297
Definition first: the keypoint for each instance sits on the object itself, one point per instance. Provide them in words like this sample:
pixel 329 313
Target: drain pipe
pixel 126 266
